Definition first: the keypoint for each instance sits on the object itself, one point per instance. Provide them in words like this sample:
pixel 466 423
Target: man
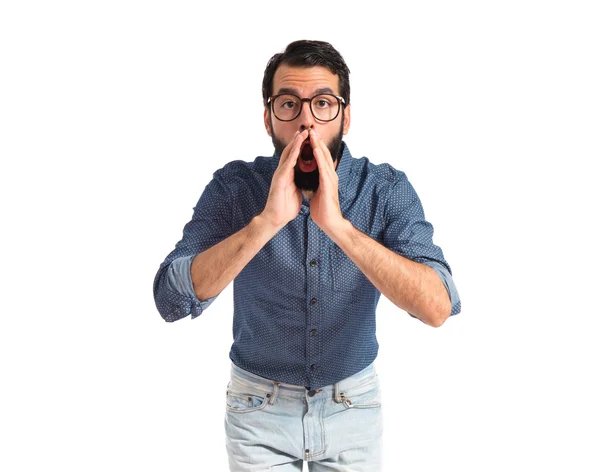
pixel 311 238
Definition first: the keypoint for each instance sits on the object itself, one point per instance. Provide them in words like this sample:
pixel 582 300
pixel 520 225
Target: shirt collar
pixel 343 171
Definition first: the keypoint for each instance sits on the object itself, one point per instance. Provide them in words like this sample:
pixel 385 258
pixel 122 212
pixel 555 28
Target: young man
pixel 311 238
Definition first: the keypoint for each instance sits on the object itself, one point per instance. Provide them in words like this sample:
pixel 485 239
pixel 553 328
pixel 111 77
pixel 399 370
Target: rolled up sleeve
pixel 179 280
pixel 409 234
pixel 448 281
pixel 174 294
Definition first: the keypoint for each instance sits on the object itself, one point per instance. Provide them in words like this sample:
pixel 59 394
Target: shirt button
pixel 313 367
pixel 313 332
pixel 313 262
pixel 311 393
pixel 313 301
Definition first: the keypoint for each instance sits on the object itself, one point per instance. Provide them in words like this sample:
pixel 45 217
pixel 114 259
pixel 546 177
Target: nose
pixel 306 120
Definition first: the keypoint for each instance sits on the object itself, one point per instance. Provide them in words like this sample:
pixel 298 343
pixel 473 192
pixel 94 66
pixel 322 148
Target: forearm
pixel 411 286
pixel 214 269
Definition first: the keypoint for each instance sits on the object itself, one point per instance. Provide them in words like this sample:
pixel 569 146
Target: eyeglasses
pixel 324 107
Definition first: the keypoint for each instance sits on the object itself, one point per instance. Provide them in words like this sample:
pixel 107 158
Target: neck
pixel 308 194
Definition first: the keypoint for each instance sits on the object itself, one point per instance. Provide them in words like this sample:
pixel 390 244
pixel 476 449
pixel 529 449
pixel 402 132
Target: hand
pixel 285 199
pixel 325 204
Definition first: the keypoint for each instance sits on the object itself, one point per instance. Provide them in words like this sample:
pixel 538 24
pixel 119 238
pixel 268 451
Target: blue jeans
pixel 272 425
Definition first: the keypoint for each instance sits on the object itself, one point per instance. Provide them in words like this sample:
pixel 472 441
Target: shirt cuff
pixel 446 278
pixel 179 279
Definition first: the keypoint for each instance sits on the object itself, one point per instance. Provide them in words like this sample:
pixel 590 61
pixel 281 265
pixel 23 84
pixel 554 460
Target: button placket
pixel 313 285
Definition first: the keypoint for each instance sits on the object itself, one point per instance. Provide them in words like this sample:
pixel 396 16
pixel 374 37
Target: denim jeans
pixel 272 425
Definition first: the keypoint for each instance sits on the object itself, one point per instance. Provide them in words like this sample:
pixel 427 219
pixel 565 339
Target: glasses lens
pixel 325 107
pixel 286 107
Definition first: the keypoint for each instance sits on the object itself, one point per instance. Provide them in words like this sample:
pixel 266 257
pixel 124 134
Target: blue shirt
pixel 304 313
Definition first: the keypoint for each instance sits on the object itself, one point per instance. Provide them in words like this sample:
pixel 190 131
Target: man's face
pixel 306 82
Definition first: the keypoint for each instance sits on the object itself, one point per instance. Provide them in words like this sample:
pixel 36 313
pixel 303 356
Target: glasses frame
pixel 341 103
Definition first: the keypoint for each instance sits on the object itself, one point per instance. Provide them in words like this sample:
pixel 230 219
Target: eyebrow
pixel 295 92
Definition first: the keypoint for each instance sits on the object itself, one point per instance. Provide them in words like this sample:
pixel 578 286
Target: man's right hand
pixel 285 199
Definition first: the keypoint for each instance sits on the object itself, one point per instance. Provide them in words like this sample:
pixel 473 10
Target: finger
pixel 319 144
pixel 294 149
pixel 286 152
pixel 326 172
pixel 286 149
pixel 321 152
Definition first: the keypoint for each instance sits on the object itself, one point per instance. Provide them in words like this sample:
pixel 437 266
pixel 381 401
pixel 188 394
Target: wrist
pixel 264 225
pixel 342 233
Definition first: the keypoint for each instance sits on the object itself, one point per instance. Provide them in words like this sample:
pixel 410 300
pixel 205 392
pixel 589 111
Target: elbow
pixel 174 311
pixel 168 315
pixel 438 317
pixel 168 311
pixel 434 320
pixel 437 321
pixel 171 305
pixel 174 301
pixel 442 311
pixel 441 315
pixel 438 306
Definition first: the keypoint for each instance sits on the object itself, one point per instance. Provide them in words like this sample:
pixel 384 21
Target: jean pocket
pixel 367 395
pixel 245 399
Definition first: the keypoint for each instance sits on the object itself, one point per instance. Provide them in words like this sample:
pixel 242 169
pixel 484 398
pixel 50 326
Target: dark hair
pixel 306 53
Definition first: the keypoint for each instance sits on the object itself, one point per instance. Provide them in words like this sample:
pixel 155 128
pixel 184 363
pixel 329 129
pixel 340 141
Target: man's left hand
pixel 325 204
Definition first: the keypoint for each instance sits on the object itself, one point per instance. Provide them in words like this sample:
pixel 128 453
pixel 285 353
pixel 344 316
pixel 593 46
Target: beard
pixel 309 181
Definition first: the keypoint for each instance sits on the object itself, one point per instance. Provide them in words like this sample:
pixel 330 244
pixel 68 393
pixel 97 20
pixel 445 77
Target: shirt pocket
pixel 345 274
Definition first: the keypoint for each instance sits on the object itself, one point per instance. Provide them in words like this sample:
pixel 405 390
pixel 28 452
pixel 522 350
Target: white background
pixel 115 114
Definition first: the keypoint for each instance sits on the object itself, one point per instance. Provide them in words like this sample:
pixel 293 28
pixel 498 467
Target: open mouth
pixel 306 152
pixel 307 160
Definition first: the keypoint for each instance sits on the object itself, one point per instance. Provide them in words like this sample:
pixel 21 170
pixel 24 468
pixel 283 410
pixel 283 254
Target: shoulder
pixel 384 182
pixel 383 175
pixel 246 170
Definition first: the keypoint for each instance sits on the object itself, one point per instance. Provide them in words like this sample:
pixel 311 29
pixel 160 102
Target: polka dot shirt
pixel 304 313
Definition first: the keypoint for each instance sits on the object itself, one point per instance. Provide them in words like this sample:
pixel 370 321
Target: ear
pixel 346 125
pixel 267 122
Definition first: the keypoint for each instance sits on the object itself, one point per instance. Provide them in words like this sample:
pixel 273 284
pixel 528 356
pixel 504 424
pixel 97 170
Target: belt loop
pixel 340 397
pixel 337 397
pixel 275 392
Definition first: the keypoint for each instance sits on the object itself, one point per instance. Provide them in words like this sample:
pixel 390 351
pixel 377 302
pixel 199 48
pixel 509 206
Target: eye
pixel 322 103
pixel 286 102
